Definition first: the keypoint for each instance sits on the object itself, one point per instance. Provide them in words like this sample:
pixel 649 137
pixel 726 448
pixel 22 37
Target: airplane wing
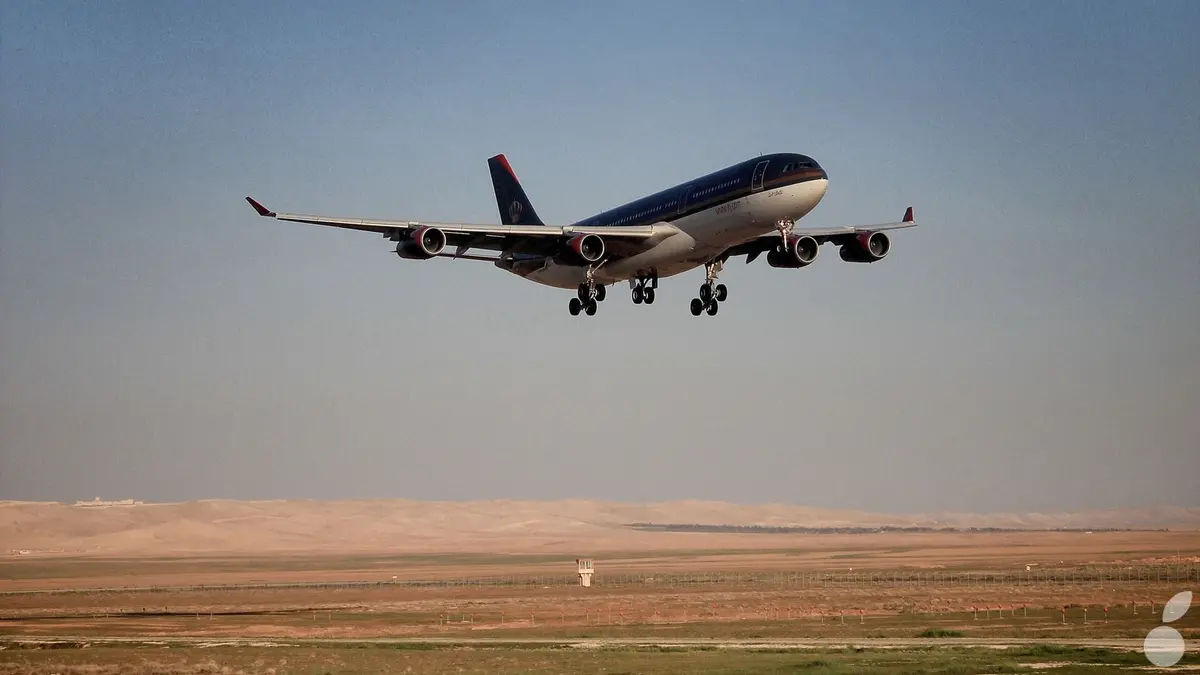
pixel 532 239
pixel 837 235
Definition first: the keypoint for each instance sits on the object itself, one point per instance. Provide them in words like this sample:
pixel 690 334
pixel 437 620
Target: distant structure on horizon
pixel 99 502
pixel 585 569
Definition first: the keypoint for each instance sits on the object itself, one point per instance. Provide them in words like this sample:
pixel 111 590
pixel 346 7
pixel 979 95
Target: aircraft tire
pixel 722 293
pixel 649 296
pixel 574 306
pixel 590 308
pixel 712 308
pixel 705 293
pixel 638 295
pixel 697 306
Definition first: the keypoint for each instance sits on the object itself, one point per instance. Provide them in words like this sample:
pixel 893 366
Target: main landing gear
pixel 588 295
pixel 643 288
pixel 711 293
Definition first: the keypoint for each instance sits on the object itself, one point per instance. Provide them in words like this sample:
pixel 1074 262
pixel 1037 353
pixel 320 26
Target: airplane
pixel 749 208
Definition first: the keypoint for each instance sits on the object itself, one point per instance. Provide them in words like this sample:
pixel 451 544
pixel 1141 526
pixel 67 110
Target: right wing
pixel 838 235
pixel 532 239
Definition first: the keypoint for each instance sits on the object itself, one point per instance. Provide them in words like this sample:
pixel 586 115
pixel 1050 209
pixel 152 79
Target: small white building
pixel 584 566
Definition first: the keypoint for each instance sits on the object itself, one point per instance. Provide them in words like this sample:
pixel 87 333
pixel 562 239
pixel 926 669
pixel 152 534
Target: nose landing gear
pixel 711 293
pixel 784 228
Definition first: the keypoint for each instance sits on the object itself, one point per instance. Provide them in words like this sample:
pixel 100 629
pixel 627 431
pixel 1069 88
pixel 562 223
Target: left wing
pixel 838 235
pixel 535 239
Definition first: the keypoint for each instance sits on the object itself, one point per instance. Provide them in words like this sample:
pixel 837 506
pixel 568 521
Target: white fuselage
pixel 692 240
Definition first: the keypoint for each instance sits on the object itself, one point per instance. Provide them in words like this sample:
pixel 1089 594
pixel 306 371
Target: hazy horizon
pixel 1032 346
pixel 117 500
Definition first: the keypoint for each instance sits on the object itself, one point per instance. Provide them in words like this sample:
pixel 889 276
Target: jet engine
pixel 798 252
pixel 866 248
pixel 422 244
pixel 583 249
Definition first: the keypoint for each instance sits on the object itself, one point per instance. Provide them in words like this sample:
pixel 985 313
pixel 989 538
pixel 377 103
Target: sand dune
pixel 507 526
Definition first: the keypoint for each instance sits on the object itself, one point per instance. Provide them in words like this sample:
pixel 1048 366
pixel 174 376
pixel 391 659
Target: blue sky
pixel 1032 346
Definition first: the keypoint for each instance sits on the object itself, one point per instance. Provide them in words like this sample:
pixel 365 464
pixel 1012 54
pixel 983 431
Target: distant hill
pixel 494 526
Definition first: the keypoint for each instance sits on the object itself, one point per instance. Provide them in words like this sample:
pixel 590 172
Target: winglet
pixel 262 210
pixel 908 215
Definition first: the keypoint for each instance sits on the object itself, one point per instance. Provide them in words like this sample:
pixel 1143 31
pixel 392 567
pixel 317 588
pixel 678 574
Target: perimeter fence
pixel 1096 576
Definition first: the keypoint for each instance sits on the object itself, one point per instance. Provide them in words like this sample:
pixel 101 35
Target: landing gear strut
pixel 587 295
pixel 711 293
pixel 643 288
pixel 785 228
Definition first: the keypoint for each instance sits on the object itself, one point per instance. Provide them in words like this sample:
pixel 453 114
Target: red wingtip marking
pixel 504 163
pixel 908 215
pixel 262 210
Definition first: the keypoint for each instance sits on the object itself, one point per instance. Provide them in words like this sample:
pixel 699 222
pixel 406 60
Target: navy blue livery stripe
pixel 712 190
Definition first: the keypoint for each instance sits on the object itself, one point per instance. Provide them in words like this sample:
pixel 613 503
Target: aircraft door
pixel 760 172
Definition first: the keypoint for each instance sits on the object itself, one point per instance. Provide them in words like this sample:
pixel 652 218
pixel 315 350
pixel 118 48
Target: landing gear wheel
pixel 697 306
pixel 600 293
pixel 712 308
pixel 590 308
pixel 639 295
pixel 649 293
pixel 575 305
pixel 711 292
pixel 584 293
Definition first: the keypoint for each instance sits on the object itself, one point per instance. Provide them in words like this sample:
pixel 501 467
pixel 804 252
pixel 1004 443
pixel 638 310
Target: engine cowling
pixel 799 252
pixel 583 249
pixel 422 244
pixel 866 248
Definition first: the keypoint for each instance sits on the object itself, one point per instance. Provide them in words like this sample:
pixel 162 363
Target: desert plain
pixel 491 586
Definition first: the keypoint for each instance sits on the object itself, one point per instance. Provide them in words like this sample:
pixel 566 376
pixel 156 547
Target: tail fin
pixel 514 206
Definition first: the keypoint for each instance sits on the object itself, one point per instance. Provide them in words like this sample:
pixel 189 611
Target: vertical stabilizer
pixel 514 205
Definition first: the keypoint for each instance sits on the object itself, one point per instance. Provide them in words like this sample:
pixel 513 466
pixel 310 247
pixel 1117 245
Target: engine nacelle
pixel 583 249
pixel 866 248
pixel 424 243
pixel 800 252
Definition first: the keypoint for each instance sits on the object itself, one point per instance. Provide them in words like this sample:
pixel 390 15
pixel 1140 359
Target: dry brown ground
pixel 888 612
pixel 768 607
pixel 708 554
pixel 241 543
